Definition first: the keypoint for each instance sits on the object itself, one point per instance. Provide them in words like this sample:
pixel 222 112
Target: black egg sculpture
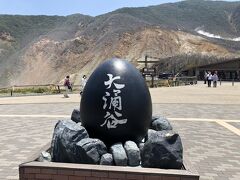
pixel 116 104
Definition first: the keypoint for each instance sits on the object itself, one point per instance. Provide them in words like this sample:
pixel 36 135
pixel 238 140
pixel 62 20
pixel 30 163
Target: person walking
pixel 215 79
pixel 67 86
pixel 209 79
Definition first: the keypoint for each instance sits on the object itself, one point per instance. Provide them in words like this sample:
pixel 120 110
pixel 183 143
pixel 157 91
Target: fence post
pixel 11 92
pixel 152 85
pixel 232 82
pixel 59 91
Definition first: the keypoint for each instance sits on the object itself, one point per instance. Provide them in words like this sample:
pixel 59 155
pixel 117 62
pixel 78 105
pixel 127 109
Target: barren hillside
pixel 48 60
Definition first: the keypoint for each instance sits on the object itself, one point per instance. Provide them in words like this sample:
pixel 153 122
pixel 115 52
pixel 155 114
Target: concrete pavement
pixel 196 94
pixel 207 119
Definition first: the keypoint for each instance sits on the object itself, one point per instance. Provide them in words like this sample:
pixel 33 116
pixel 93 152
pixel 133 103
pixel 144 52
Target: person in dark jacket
pixel 67 86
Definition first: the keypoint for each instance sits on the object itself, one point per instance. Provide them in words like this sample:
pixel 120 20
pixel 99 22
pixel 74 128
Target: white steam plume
pixel 202 32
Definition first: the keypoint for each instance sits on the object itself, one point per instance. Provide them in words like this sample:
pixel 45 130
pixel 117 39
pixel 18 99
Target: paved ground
pixel 207 119
pixel 237 125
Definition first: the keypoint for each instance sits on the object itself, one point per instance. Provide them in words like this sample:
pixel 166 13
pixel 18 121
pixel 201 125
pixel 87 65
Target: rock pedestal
pixel 159 149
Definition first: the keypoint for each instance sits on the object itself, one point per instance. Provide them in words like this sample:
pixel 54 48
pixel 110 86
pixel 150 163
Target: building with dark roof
pixel 227 70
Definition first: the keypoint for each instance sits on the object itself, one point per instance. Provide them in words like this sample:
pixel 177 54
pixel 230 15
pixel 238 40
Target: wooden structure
pixel 146 71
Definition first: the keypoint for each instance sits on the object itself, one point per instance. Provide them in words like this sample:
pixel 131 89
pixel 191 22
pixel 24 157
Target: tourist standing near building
pixel 215 79
pixel 67 86
pixel 209 78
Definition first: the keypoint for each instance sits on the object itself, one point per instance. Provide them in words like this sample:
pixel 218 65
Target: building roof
pixel 222 62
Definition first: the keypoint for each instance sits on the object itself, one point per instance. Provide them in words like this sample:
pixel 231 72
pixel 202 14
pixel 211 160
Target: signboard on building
pixel 149 71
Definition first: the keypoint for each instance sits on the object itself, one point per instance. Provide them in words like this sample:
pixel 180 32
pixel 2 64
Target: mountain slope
pixel 212 16
pixel 25 28
pixel 25 31
pixel 56 59
pixel 49 49
pixel 235 20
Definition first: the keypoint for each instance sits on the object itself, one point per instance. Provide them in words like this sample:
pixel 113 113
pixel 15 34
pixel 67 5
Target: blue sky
pixel 67 7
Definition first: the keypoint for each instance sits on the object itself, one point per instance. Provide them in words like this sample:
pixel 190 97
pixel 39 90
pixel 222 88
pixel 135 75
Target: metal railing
pixel 228 80
pixel 185 80
pixel 176 81
pixel 45 89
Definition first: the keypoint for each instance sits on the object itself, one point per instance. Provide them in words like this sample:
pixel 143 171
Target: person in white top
pixel 84 81
pixel 209 78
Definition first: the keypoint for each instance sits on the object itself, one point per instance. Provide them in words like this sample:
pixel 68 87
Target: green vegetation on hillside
pixel 212 16
pixel 25 28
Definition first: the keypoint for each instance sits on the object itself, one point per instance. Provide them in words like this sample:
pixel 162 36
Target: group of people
pixel 209 78
pixel 68 85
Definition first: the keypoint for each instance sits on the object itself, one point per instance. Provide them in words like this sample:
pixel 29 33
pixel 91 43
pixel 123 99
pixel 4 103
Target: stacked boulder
pixel 106 159
pixel 160 123
pixel 91 150
pixel 133 153
pixel 65 137
pixel 71 144
pixel 161 148
pixel 76 116
pixel 119 154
